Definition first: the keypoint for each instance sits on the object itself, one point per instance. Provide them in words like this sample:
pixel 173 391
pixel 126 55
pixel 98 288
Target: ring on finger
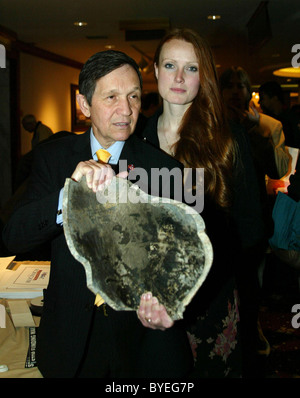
pixel 148 320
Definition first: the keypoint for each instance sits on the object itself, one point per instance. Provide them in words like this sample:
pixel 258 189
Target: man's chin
pixel 123 135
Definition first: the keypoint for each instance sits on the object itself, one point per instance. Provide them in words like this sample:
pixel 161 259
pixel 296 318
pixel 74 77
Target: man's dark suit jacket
pixel 68 303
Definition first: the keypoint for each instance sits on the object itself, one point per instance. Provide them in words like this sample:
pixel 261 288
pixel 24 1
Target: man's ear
pixel 83 104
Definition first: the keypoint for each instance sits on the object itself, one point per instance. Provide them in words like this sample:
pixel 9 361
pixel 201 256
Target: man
pixel 271 101
pixel 39 130
pixel 75 337
pixel 266 133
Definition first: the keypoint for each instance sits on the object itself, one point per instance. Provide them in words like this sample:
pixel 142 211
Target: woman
pixel 192 128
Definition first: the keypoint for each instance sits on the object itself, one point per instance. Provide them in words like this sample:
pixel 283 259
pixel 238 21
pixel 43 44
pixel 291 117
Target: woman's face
pixel 177 72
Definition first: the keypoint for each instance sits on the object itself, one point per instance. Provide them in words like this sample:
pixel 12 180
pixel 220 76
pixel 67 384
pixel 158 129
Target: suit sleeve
pixel 282 157
pixel 33 221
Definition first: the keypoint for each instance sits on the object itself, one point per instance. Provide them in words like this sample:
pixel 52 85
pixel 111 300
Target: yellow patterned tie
pixel 103 156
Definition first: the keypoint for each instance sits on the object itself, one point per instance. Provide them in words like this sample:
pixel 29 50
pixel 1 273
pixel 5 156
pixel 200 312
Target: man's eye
pixel 169 66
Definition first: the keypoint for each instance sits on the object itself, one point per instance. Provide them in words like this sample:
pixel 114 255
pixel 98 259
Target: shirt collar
pixel 115 149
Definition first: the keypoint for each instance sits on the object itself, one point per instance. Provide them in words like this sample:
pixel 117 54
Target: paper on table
pixel 26 281
pixel 29 276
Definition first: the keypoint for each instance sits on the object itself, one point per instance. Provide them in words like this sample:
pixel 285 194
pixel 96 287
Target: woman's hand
pixel 152 314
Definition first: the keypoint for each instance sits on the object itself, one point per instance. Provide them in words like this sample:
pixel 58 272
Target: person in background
pixel 286 245
pixel 191 127
pixel 150 103
pixel 264 138
pixel 20 185
pixel 266 133
pixel 271 101
pixel 78 335
pixel 40 133
pixel 39 130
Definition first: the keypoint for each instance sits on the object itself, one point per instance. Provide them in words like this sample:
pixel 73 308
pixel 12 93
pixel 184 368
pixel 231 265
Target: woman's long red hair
pixel 205 139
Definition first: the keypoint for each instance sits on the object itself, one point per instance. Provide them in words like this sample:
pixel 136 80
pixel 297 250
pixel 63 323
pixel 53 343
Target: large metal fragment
pixel 130 243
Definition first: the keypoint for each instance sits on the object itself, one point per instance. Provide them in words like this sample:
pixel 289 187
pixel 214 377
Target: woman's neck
pixel 168 126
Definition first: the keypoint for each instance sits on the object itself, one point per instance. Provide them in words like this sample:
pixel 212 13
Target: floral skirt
pixel 215 338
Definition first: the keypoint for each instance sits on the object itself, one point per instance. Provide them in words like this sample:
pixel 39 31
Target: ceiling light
pixel 214 17
pixel 287 72
pixel 80 23
pixel 109 46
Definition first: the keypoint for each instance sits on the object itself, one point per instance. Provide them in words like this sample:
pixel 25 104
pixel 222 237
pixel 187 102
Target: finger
pixel 123 174
pixel 144 311
pixel 155 311
pixel 81 169
pixel 95 173
pixel 152 314
pixel 166 320
pixel 160 317
pixel 141 309
pixel 96 176
pixel 102 177
pixel 85 168
pixel 145 305
pixel 148 305
pixel 90 176
pixel 147 323
pixel 141 316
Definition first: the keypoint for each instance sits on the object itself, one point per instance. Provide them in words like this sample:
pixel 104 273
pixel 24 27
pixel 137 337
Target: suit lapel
pixel 82 146
pixel 78 150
